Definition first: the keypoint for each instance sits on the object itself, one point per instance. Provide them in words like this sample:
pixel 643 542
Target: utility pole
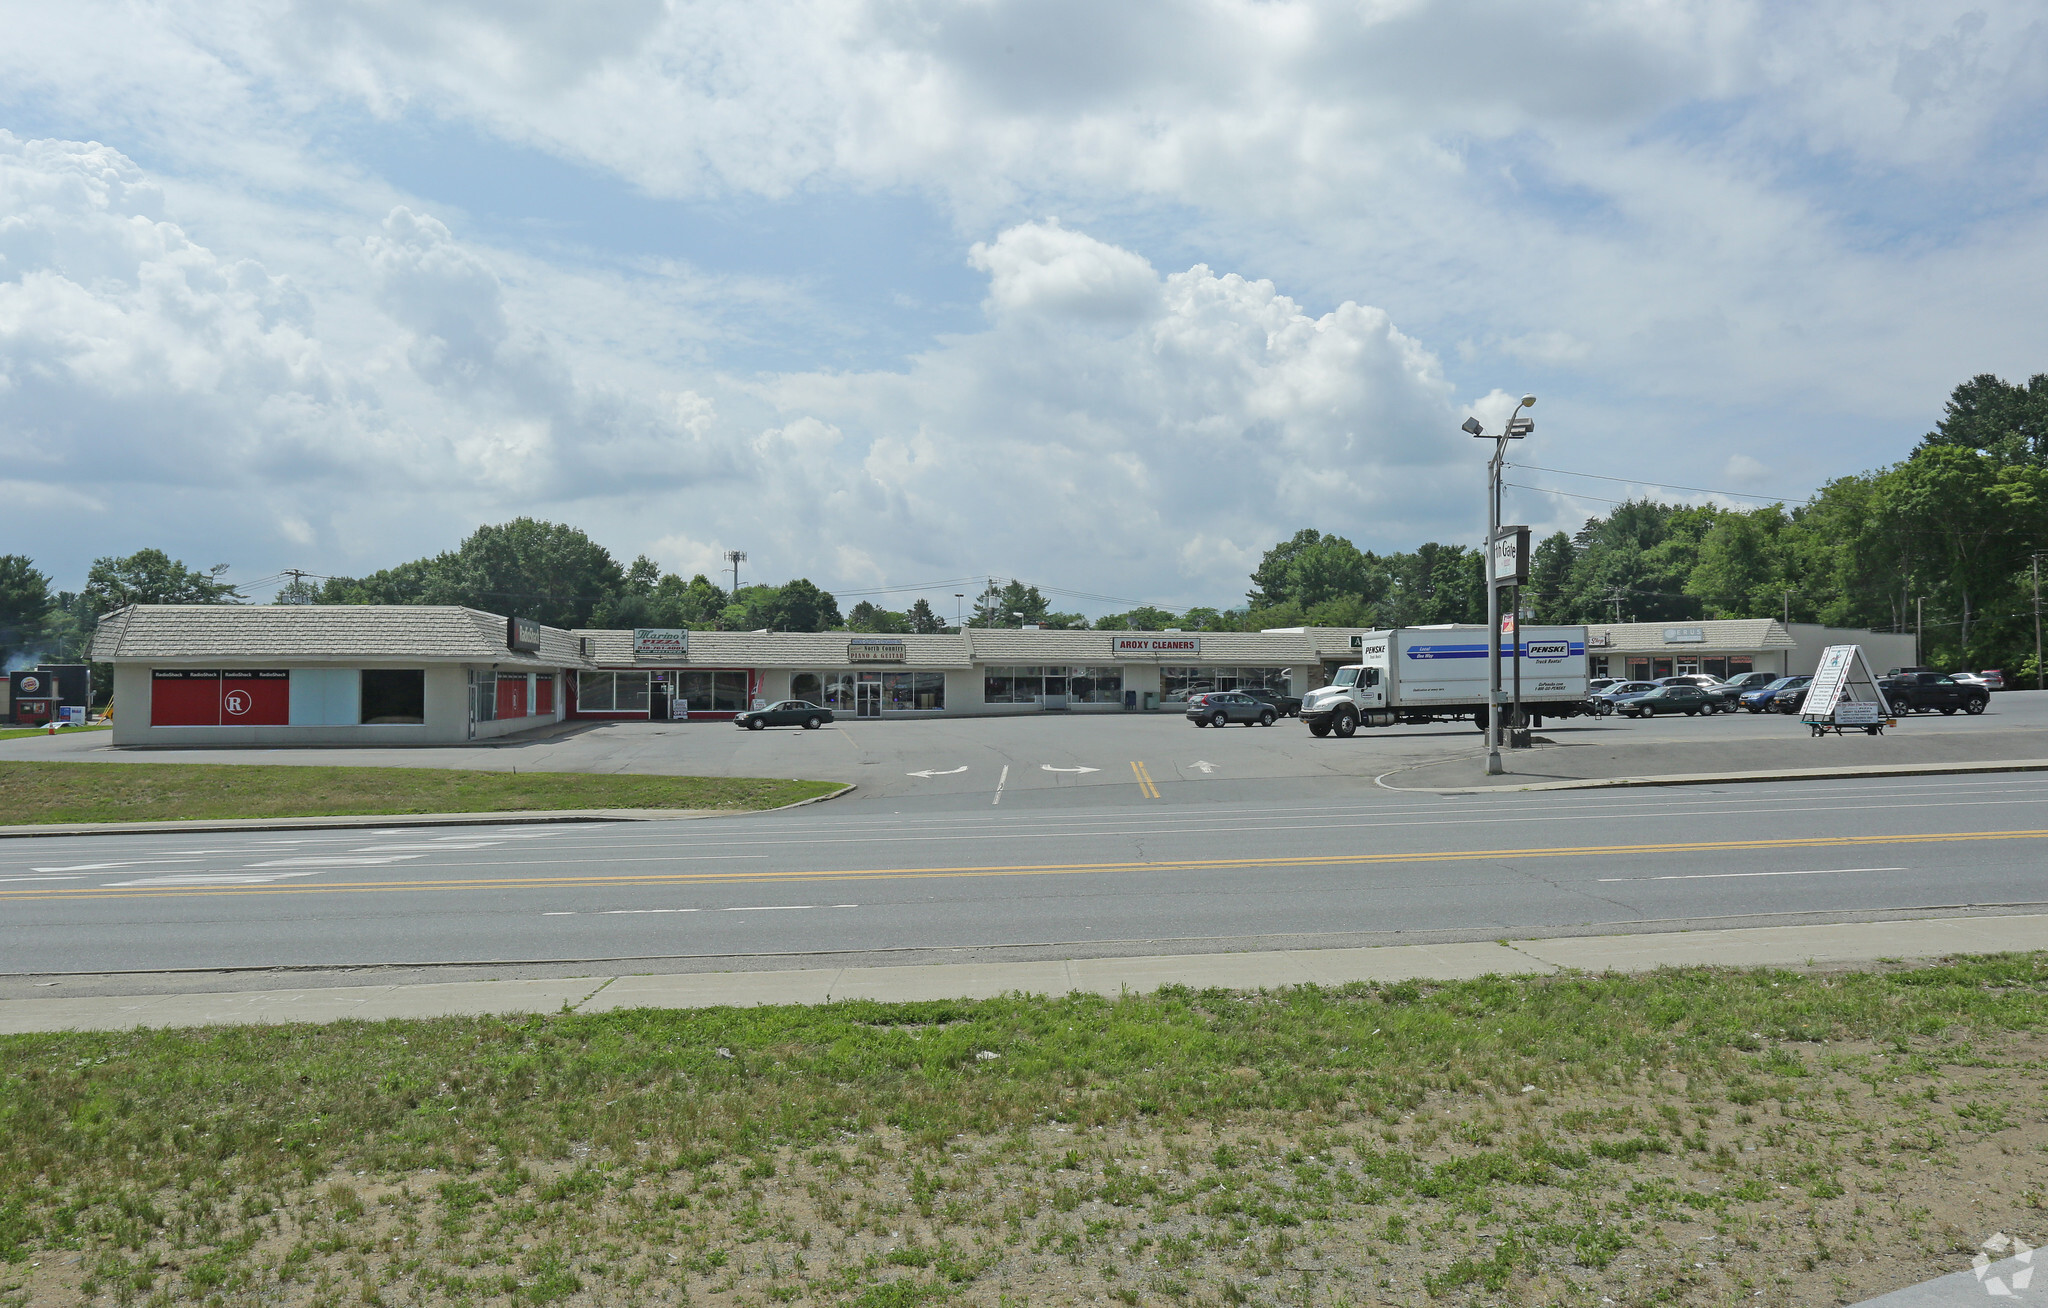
pixel 1788 610
pixel 1919 628
pixel 735 557
pixel 2040 683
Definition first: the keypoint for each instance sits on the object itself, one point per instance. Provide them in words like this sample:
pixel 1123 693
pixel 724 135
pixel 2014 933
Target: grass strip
pixel 1697 1136
pixel 34 792
pixel 16 733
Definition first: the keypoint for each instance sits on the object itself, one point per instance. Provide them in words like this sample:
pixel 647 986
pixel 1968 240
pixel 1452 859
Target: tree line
pixel 1947 535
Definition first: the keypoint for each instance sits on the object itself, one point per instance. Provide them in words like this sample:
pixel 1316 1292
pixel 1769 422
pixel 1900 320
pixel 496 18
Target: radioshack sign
pixel 1154 646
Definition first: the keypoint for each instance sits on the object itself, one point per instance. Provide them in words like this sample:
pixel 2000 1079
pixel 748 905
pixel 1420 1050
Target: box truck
pixel 1439 674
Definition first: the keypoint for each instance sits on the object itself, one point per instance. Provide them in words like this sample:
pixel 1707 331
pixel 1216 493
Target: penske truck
pixel 1439 674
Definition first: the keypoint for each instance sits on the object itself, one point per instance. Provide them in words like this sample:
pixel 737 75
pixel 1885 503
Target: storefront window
pixel 484 686
pixel 807 687
pixel 1597 665
pixel 898 694
pixel 1097 685
pixel 1011 685
pixel 728 692
pixel 629 692
pixel 1639 669
pixel 1739 664
pixel 696 688
pixel 594 692
pixel 928 690
pixel 1660 668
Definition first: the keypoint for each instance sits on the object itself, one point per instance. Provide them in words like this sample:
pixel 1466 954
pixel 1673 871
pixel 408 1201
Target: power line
pixel 1660 485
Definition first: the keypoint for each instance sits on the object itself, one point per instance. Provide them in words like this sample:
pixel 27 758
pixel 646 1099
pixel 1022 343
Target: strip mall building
pixel 362 674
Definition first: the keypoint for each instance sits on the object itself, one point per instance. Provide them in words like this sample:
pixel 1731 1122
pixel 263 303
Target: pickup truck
pixel 1917 692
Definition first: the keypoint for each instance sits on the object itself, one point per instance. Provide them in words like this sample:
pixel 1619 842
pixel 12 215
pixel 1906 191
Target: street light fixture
pixel 1515 429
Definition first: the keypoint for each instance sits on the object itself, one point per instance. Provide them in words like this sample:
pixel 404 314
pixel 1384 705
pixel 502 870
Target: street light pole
pixel 1919 628
pixel 1509 431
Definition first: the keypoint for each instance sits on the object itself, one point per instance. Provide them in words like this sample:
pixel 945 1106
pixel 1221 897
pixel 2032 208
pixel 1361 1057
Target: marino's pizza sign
pixel 1153 646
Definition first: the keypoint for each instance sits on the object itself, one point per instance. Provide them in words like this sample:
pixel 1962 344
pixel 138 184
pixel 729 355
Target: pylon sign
pixel 1511 556
pixel 1843 678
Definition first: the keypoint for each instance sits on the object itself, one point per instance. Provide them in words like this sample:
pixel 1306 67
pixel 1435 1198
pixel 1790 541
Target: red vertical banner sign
pixel 184 697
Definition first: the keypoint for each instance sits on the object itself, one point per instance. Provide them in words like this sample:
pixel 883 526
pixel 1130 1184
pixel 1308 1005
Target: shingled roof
pixel 243 633
pixel 1720 633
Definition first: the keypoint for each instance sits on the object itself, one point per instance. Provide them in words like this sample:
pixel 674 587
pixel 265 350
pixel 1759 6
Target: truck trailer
pixel 1419 675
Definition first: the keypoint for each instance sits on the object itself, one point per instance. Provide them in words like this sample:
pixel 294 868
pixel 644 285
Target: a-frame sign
pixel 1844 693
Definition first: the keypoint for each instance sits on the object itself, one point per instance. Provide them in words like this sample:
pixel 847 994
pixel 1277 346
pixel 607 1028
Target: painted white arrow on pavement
pixel 1050 768
pixel 1203 766
pixel 934 772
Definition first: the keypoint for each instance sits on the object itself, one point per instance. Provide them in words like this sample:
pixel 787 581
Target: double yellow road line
pixel 613 880
pixel 1146 786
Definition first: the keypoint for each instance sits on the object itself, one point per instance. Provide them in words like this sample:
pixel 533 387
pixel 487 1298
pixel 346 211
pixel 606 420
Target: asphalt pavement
pixel 988 762
pixel 1059 868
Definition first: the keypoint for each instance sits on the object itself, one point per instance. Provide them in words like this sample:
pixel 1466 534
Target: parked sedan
pixel 1761 699
pixel 1604 699
pixel 1717 689
pixel 1681 698
pixel 1222 707
pixel 1792 698
pixel 789 713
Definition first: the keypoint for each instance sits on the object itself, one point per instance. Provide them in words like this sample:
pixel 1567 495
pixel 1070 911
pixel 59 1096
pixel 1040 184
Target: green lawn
pixel 139 792
pixel 1688 1137
pixel 16 733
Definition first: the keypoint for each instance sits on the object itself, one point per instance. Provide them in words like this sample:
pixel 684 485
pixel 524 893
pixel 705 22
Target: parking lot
pixel 1059 758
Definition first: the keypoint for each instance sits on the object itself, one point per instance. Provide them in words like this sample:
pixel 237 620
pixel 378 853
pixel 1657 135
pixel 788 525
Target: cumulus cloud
pixel 1213 418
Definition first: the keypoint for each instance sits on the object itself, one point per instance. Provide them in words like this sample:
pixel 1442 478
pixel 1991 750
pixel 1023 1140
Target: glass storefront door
pixel 868 696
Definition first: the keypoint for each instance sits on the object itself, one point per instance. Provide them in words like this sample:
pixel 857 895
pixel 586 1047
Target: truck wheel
pixel 1479 718
pixel 1347 722
pixel 1976 706
pixel 1318 729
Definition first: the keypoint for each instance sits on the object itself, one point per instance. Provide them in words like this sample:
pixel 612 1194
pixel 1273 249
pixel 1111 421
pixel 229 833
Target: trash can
pixel 1151 700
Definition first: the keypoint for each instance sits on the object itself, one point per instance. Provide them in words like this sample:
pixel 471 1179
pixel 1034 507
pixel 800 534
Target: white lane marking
pixel 639 912
pixel 210 879
pixel 1203 766
pixel 132 862
pixel 7 879
pixel 559 914
pixel 1720 876
pixel 1050 768
pixel 392 849
pixel 1000 782
pixel 929 773
pixel 324 860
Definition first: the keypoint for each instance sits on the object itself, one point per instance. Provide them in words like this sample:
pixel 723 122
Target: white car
pixel 1976 679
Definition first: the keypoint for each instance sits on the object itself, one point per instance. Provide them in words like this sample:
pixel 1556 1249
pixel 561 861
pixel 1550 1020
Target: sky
pixel 893 293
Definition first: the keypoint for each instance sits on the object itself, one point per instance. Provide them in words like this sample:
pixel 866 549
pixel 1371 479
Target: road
pixel 1131 864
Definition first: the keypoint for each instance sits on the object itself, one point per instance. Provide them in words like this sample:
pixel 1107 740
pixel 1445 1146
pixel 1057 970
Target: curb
pixel 1818 946
pixel 516 817
pixel 1711 778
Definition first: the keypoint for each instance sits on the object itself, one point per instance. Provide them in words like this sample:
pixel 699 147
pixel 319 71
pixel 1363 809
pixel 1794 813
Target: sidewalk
pixel 1791 946
pixel 1533 777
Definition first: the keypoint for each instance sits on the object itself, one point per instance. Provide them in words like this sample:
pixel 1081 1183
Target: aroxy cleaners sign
pixel 1155 645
